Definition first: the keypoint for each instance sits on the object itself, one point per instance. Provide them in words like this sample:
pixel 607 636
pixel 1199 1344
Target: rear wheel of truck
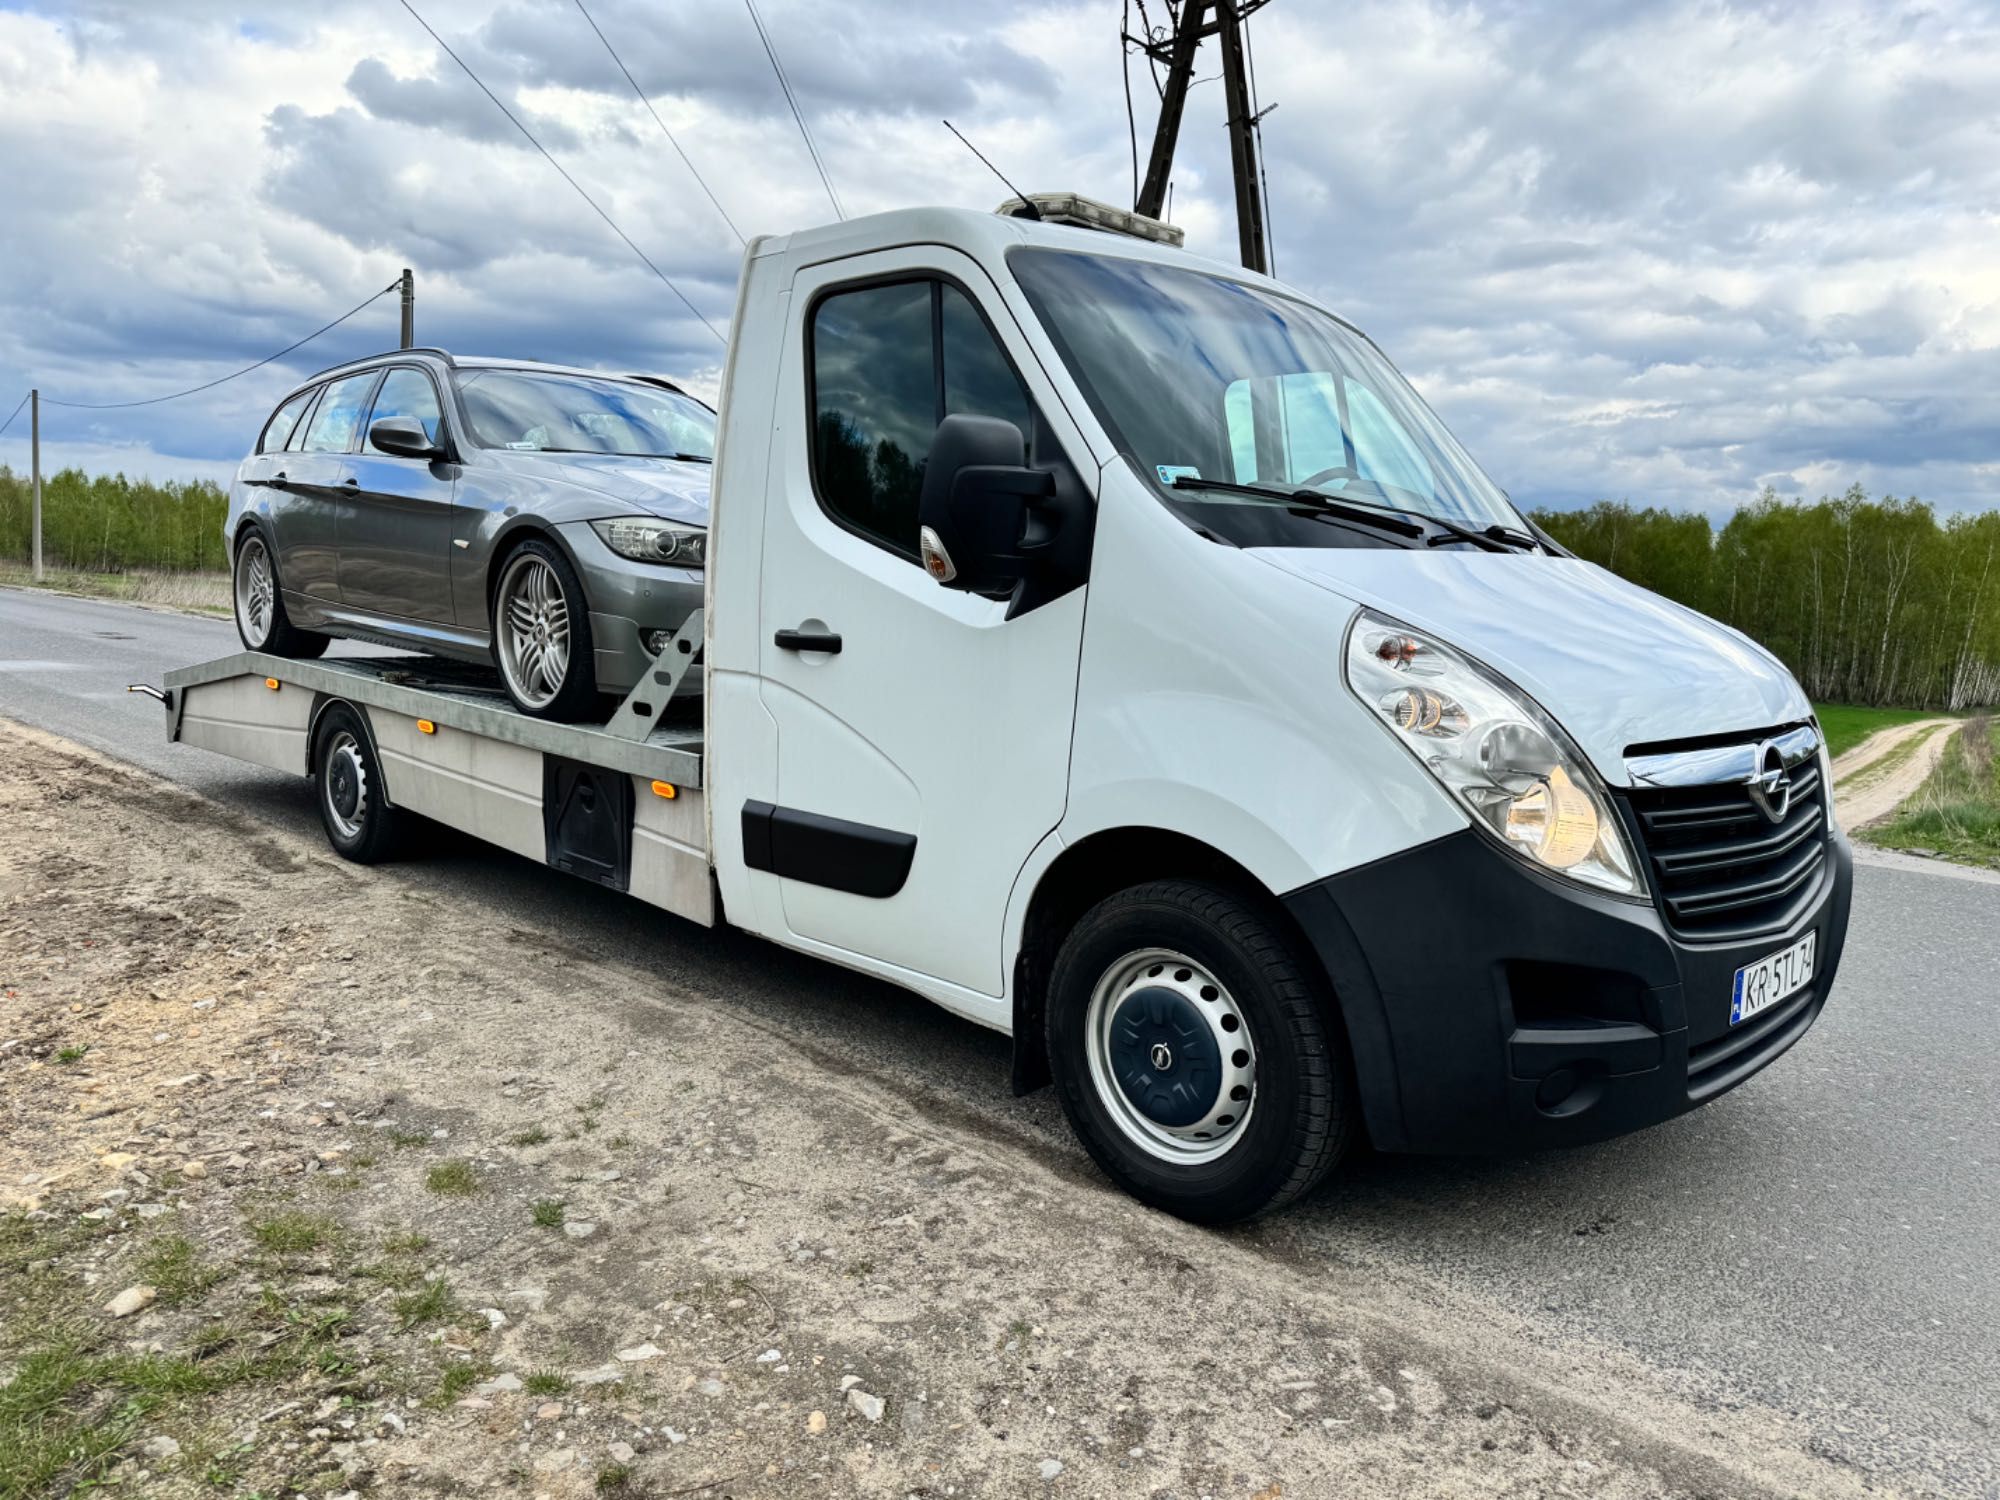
pixel 1195 1054
pixel 358 820
pixel 261 621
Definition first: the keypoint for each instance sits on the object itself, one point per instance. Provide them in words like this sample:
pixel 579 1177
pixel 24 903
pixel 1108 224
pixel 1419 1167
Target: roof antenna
pixel 1029 211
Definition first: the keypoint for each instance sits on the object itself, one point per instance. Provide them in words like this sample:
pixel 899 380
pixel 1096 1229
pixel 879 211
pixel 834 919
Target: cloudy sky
pixel 1668 252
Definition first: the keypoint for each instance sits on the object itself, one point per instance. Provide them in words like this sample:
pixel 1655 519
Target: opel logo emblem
pixel 1163 1057
pixel 1771 786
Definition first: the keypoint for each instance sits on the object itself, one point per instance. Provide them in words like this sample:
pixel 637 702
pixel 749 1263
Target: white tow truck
pixel 1109 645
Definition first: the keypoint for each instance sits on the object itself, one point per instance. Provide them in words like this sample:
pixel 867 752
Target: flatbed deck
pixel 618 803
pixel 461 696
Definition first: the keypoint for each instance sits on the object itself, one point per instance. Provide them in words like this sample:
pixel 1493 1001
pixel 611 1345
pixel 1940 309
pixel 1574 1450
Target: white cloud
pixel 1668 251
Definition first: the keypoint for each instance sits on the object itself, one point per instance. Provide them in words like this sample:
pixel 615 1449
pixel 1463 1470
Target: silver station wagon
pixel 551 521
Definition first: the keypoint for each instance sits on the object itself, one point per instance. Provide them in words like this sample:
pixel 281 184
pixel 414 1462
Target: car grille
pixel 1722 869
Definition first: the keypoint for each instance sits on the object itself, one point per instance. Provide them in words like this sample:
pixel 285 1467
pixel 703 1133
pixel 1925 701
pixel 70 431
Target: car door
pixel 395 519
pixel 317 467
pixel 922 736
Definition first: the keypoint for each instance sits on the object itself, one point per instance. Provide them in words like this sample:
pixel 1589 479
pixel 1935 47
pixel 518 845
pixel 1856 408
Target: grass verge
pixel 198 593
pixel 1956 813
pixel 1848 724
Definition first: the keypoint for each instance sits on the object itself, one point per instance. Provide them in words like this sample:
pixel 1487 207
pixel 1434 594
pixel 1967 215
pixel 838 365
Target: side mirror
pixel 405 437
pixel 981 517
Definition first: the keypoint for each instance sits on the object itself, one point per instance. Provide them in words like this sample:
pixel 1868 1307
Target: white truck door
pixel 923 738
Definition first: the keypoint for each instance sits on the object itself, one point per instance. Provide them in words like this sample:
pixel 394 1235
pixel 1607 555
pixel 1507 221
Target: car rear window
pixel 278 431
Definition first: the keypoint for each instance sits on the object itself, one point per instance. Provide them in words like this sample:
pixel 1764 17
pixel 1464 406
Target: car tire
pixel 1196 1054
pixel 350 790
pixel 259 602
pixel 541 634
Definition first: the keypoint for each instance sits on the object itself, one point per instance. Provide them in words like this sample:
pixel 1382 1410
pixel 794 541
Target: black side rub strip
pixel 843 856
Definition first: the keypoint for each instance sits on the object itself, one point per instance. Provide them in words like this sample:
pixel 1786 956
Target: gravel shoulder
pixel 1884 771
pixel 417 1200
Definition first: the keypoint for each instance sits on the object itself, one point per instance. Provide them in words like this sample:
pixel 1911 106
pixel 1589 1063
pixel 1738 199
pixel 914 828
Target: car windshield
pixel 1197 376
pixel 534 412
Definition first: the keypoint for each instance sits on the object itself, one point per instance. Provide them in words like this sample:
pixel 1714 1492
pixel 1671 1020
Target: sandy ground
pixel 345 1105
pixel 1859 797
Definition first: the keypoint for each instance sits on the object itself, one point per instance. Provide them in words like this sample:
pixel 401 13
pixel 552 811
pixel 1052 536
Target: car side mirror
pixel 983 517
pixel 405 437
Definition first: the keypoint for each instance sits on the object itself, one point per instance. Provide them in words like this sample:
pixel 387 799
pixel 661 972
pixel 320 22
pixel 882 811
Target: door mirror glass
pixel 402 436
pixel 983 512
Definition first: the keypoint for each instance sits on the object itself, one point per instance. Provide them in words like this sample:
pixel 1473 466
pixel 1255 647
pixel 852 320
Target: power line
pixel 211 385
pixel 17 412
pixel 786 84
pixel 1257 113
pixel 665 280
pixel 661 123
pixel 1125 68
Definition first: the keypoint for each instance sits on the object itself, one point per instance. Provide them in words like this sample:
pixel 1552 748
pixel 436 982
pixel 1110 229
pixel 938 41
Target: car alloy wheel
pixel 256 590
pixel 534 630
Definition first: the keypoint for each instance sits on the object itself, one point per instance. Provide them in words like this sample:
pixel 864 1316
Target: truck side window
pixel 888 364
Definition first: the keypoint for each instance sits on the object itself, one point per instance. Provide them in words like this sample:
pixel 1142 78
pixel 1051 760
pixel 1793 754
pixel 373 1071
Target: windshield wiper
pixel 1494 539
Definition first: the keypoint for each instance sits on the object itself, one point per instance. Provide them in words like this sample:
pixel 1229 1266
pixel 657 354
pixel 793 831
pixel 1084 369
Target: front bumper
pixel 626 599
pixel 1492 1009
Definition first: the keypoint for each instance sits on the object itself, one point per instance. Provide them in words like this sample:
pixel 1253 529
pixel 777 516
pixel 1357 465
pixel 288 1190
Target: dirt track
pixel 1861 795
pixel 351 1103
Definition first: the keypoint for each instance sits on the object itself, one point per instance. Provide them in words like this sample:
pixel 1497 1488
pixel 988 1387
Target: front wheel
pixel 541 634
pixel 1196 1058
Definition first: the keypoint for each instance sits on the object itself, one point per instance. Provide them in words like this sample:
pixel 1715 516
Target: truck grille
pixel 1722 868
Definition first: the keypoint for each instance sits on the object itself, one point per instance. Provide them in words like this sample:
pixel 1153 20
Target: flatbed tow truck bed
pixel 618 803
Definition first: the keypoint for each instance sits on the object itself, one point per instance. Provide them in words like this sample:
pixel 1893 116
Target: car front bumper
pixel 1490 1008
pixel 627 599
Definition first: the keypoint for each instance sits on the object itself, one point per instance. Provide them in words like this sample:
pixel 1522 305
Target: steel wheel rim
pixel 533 621
pixel 344 785
pixel 256 590
pixel 1187 990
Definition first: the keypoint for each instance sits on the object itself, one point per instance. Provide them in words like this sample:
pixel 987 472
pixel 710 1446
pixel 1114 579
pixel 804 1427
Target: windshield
pixel 1200 377
pixel 530 411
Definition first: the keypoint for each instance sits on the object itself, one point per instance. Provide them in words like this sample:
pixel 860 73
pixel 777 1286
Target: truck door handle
pixel 807 640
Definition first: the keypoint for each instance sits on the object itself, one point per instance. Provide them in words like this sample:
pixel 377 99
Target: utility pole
pixel 35 468
pixel 409 308
pixel 1178 53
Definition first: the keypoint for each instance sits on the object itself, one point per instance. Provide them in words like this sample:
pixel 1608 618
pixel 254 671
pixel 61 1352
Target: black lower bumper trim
pixel 1491 1009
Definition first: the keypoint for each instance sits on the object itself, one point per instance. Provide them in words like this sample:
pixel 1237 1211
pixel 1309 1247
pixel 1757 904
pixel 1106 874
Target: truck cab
pixel 1240 641
pixel 1112 647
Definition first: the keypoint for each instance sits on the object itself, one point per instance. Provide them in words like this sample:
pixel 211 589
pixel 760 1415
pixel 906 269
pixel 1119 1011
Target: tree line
pixel 111 523
pixel 1867 601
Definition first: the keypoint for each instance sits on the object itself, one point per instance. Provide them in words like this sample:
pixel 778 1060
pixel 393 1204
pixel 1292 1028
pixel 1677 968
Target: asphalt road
pixel 1824 1240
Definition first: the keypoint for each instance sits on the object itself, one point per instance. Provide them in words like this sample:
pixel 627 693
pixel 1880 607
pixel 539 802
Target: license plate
pixel 1761 985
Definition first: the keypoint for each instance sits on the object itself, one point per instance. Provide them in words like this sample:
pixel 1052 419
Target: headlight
pixel 1495 750
pixel 644 539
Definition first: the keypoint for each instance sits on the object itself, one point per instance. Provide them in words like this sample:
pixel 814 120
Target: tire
pixel 541 634
pixel 1171 1005
pixel 350 791
pixel 259 602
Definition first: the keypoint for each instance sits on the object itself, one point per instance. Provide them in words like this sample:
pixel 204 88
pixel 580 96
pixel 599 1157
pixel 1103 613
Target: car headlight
pixel 644 539
pixel 1495 750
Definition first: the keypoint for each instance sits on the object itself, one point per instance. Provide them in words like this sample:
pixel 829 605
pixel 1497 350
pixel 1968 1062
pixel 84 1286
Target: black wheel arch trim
pixel 858 858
